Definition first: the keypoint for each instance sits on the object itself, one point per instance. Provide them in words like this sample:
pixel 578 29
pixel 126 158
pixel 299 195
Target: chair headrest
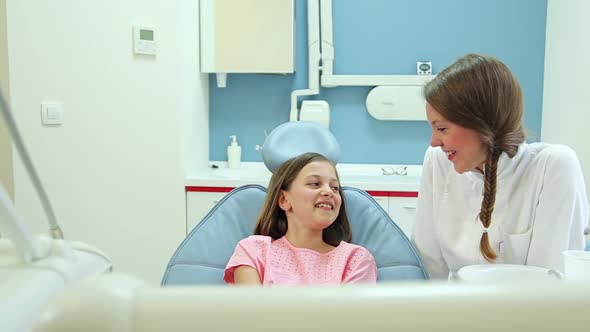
pixel 292 139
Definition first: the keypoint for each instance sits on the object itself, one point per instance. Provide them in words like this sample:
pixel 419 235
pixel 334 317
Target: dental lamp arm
pixel 54 229
pixel 11 225
pixel 313 60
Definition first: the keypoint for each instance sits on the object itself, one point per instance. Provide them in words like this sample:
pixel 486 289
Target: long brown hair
pixel 272 220
pixel 480 92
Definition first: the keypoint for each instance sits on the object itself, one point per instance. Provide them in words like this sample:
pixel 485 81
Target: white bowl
pixel 505 272
pixel 576 264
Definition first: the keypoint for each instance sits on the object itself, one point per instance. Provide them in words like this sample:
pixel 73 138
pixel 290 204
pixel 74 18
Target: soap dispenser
pixel 234 153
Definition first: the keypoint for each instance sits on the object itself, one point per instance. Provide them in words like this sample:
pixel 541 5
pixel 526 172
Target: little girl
pixel 302 234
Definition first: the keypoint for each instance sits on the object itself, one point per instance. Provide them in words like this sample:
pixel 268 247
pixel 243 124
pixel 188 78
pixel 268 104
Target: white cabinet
pixel 247 36
pixel 403 212
pixel 198 204
pixel 401 209
pixel 383 201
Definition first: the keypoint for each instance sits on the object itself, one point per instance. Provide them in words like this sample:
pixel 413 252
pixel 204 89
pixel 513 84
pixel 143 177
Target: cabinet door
pixel 247 36
pixel 383 201
pixel 198 204
pixel 403 212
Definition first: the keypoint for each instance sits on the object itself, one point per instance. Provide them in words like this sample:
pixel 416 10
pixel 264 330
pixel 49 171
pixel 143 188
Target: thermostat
pixel 424 68
pixel 144 40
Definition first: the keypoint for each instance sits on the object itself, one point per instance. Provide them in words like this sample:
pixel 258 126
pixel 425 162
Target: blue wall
pixel 385 37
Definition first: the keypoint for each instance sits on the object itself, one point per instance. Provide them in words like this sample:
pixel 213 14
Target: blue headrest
pixel 292 139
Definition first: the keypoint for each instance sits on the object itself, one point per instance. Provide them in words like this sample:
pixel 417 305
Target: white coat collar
pixel 506 165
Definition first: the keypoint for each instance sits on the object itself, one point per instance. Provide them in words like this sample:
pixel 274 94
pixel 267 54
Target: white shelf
pixel 375 80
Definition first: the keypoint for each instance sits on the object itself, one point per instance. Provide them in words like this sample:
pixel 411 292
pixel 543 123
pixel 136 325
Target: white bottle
pixel 234 153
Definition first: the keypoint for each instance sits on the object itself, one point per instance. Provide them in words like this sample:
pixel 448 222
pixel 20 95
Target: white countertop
pixel 364 176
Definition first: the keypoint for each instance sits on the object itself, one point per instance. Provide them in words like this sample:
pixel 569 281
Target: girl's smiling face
pixel 313 199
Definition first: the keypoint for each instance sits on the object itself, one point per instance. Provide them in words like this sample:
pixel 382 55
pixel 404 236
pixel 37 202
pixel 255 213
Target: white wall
pixel 133 125
pixel 566 109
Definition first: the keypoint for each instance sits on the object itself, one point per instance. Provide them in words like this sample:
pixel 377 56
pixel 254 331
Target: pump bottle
pixel 234 153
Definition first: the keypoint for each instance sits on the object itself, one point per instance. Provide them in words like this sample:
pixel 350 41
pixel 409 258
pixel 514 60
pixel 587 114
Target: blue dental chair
pixel 202 256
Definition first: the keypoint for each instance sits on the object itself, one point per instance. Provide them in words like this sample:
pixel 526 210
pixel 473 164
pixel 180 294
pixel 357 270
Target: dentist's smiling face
pixel 313 199
pixel 463 146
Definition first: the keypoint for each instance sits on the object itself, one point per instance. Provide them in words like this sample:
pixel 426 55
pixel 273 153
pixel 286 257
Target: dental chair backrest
pixel 202 256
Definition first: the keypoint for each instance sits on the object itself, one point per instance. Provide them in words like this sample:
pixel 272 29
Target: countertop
pixel 369 177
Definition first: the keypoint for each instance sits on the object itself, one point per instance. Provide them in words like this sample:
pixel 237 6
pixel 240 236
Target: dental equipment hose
pixel 54 229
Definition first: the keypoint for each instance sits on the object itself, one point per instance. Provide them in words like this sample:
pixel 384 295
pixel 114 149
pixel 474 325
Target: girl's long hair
pixel 272 220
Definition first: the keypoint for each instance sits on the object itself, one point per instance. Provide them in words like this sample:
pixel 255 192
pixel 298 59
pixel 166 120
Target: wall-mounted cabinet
pixel 401 209
pixel 247 36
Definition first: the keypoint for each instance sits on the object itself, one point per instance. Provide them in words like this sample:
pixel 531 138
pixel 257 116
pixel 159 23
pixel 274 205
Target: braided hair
pixel 480 92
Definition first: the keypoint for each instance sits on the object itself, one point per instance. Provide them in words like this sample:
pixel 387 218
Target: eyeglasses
pixel 402 170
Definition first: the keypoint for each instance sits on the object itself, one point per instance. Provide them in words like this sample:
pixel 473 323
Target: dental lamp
pixel 35 267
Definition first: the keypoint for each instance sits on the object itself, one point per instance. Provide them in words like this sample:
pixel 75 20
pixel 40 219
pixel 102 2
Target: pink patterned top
pixel 278 262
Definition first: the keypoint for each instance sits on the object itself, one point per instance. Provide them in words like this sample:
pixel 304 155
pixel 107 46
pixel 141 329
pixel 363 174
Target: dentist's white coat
pixel 541 209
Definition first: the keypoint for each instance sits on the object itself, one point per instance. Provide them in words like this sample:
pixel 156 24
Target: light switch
pixel 52 112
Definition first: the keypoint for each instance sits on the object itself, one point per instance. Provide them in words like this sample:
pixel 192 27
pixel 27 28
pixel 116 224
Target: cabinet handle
pixel 409 207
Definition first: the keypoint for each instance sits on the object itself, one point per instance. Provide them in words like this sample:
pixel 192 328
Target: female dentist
pixel 486 195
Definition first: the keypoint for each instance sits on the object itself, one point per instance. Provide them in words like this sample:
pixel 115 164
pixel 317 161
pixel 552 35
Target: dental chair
pixel 202 256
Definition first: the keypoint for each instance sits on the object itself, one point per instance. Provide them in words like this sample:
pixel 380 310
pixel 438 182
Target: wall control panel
pixel 144 40
pixel 424 68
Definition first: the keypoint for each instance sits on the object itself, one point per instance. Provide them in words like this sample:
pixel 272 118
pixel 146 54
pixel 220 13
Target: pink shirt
pixel 278 262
